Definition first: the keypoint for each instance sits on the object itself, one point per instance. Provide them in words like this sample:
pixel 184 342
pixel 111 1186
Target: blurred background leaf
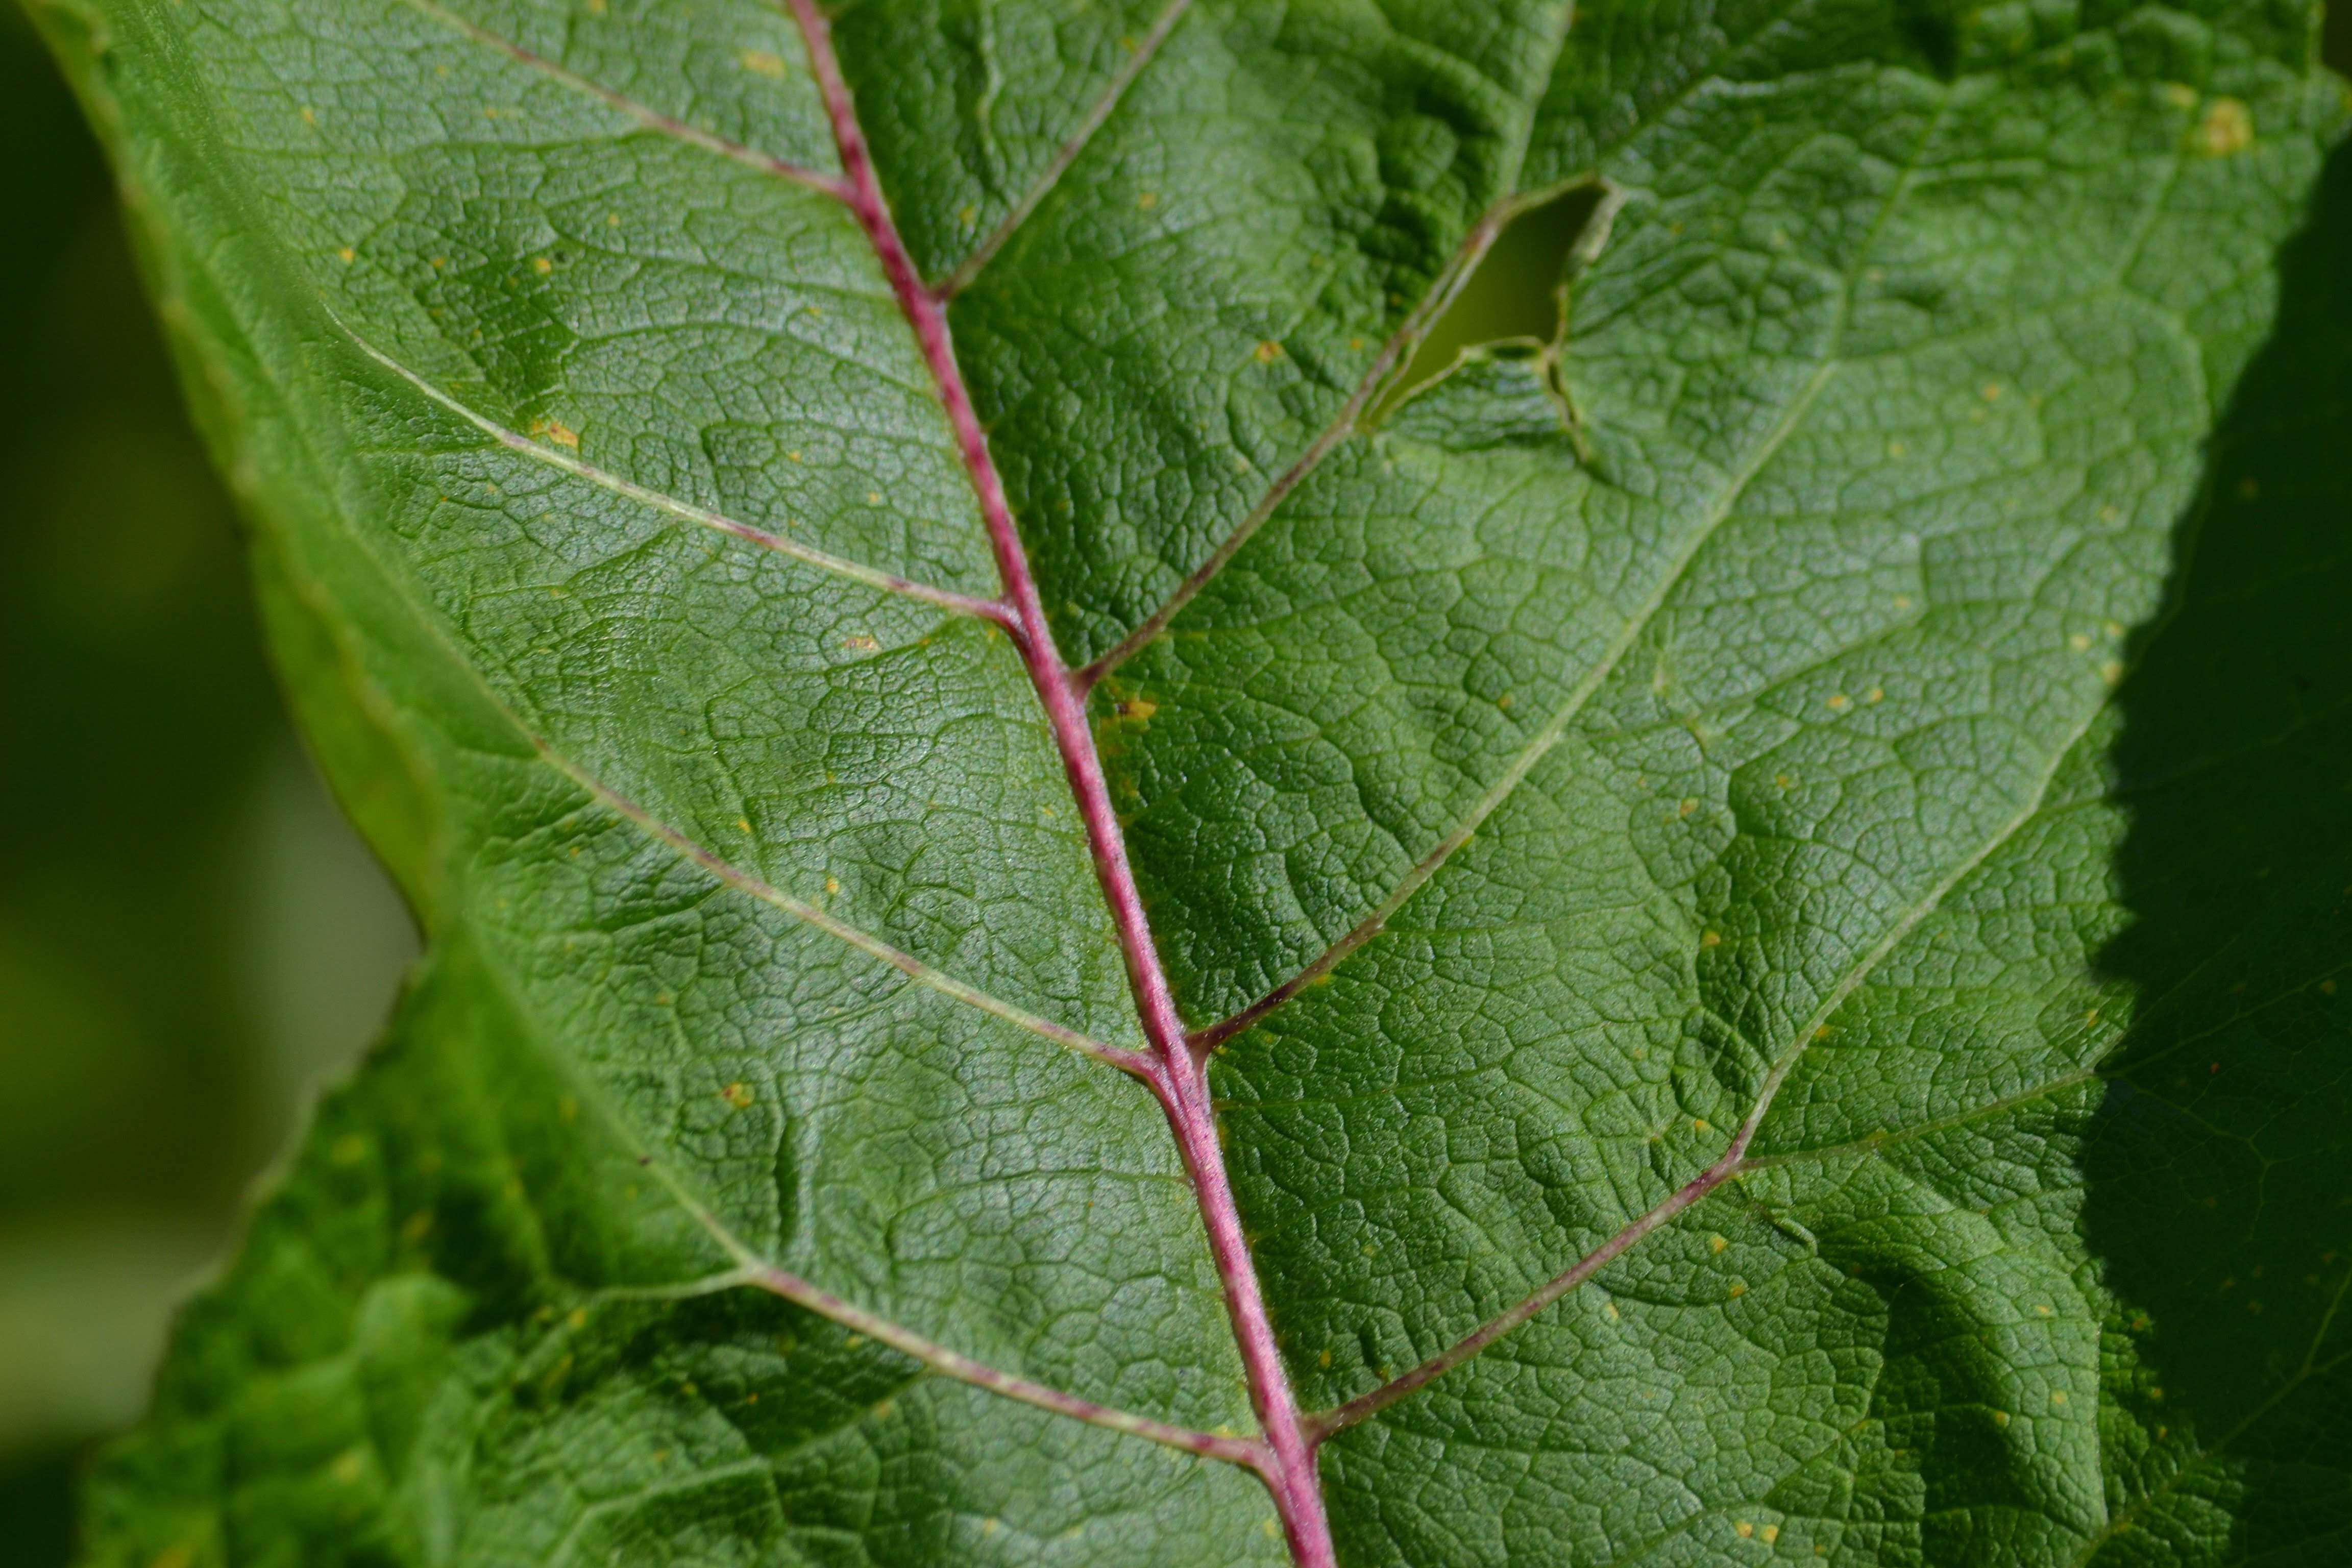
pixel 190 936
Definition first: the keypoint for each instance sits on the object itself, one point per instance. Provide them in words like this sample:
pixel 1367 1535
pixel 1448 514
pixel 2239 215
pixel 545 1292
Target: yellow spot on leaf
pixel 1324 1358
pixel 1687 806
pixel 2180 95
pixel 2327 988
pixel 439 262
pixel 541 265
pixel 1146 200
pixel 2080 642
pixel 1902 601
pixel 968 216
pixel 310 116
pixel 1839 702
pixel 577 1318
pixel 349 1149
pixel 852 1341
pixel 1504 701
pixel 596 7
pixel 1895 449
pixel 743 824
pixel 1139 708
pixel 1717 1243
pixel 1273 1531
pixel 1710 939
pixel 1784 781
pixel 1876 694
pixel 557 431
pixel 1700 1125
pixel 989 1526
pixel 350 1465
pixel 761 62
pixel 2112 671
pixel 1739 1287
pixel 348 253
pixel 611 220
pixel 1268 351
pixel 1744 1530
pixel 2226 129
pixel 1992 391
pixel 173 1557
pixel 1610 1309
pixel 2057 1396
pixel 737 1095
pixel 832 885
pixel 2000 1418
pixel 861 642
pixel 1770 1532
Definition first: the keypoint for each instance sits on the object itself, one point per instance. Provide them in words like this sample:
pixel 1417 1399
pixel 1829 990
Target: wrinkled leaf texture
pixel 1820 795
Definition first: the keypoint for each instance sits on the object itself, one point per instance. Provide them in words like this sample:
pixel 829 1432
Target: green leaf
pixel 1061 933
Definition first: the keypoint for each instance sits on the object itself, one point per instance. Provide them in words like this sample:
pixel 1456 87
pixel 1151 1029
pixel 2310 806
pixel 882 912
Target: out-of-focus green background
pixel 189 937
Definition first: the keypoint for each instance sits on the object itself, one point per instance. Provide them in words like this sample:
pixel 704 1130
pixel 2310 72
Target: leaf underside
pixel 1767 878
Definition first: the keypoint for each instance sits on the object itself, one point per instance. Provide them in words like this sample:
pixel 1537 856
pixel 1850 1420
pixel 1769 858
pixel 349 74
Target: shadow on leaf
pixel 2219 1165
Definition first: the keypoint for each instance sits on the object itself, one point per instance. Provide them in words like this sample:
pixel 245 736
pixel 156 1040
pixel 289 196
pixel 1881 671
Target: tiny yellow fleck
pixel 1876 694
pixel 2080 642
pixel 2110 513
pixel 1992 391
pixel 611 220
pixel 2112 671
pixel 1902 601
pixel 1324 1358
pixel 968 216
pixel 2327 988
pixel 1744 1530
pixel 852 1341
pixel 439 262
pixel 1609 1308
pixel 2113 628
pixel 1146 200
pixel 862 642
pixel 596 7
pixel 743 825
pixel 794 457
pixel 989 1526
pixel 2091 1017
pixel 2161 1431
pixel 2180 95
pixel 1770 1532
pixel 1839 702
pixel 1710 939
pixel 2042 1309
pixel 832 885
pixel 1268 351
pixel 2226 129
pixel 173 1557
pixel 541 265
pixel 348 253
pixel 1273 1531
pixel 1895 449
pixel 350 1465
pixel 1822 1033
pixel 349 1149
pixel 577 1318
pixel 1686 806
pixel 1139 708
pixel 761 63
pixel 1784 781
pixel 2057 1396
pixel 1700 1125
pixel 1503 701
pixel 2000 1418
pixel 737 1095
pixel 1717 1243
pixel 1739 1287
pixel 310 116
pixel 872 497
pixel 557 431
pixel 882 1411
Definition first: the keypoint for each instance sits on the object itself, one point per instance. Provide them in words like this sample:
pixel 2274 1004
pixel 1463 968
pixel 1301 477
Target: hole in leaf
pixel 1517 293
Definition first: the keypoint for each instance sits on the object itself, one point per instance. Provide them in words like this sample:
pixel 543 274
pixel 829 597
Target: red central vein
pixel 1286 1453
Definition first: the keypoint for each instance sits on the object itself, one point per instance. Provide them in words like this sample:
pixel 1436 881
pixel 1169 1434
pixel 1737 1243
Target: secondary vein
pixel 840 566
pixel 1068 154
pixel 643 114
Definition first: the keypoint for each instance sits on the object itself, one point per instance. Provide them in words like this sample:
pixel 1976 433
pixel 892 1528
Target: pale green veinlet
pixel 1849 745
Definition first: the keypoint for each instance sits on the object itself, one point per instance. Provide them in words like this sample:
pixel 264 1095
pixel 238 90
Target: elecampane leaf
pixel 1061 933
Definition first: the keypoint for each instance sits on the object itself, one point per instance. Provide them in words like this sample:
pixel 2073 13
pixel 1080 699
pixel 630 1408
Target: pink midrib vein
pixel 1286 1455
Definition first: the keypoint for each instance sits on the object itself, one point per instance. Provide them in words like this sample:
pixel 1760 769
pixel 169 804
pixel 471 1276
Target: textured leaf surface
pixel 1758 892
